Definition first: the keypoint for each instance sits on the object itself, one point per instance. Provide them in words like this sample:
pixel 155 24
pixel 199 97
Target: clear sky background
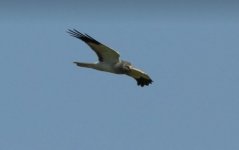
pixel 189 48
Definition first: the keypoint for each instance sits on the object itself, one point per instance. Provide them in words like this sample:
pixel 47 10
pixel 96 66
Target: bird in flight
pixel 109 60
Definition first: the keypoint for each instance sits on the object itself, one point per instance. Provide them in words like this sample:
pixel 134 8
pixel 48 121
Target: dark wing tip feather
pixel 143 81
pixel 84 37
pixel 87 39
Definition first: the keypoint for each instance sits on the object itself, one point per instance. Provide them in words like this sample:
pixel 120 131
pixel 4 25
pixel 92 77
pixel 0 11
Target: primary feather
pixel 109 60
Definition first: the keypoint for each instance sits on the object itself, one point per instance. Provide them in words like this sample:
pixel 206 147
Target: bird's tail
pixel 87 65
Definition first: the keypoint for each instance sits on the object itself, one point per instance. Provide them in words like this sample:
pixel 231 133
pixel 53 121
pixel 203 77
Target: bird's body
pixel 116 68
pixel 109 60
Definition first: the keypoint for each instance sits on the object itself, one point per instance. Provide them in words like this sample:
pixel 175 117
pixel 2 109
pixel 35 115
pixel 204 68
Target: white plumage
pixel 109 60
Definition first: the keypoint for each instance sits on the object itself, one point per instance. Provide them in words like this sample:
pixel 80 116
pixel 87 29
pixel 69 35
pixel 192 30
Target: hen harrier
pixel 109 60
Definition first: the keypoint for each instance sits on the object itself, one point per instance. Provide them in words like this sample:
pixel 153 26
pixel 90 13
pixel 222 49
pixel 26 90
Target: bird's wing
pixel 104 53
pixel 141 77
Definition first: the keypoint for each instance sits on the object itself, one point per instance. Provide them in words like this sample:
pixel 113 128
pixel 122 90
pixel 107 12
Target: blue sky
pixel 189 48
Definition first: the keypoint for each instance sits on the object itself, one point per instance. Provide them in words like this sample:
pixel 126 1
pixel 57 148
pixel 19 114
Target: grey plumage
pixel 109 60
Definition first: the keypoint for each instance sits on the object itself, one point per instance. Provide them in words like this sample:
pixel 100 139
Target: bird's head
pixel 127 68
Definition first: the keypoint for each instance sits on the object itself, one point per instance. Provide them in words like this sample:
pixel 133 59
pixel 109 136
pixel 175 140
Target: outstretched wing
pixel 104 53
pixel 141 77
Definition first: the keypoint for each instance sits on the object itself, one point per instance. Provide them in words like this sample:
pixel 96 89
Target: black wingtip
pixel 84 37
pixel 75 33
pixel 143 81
